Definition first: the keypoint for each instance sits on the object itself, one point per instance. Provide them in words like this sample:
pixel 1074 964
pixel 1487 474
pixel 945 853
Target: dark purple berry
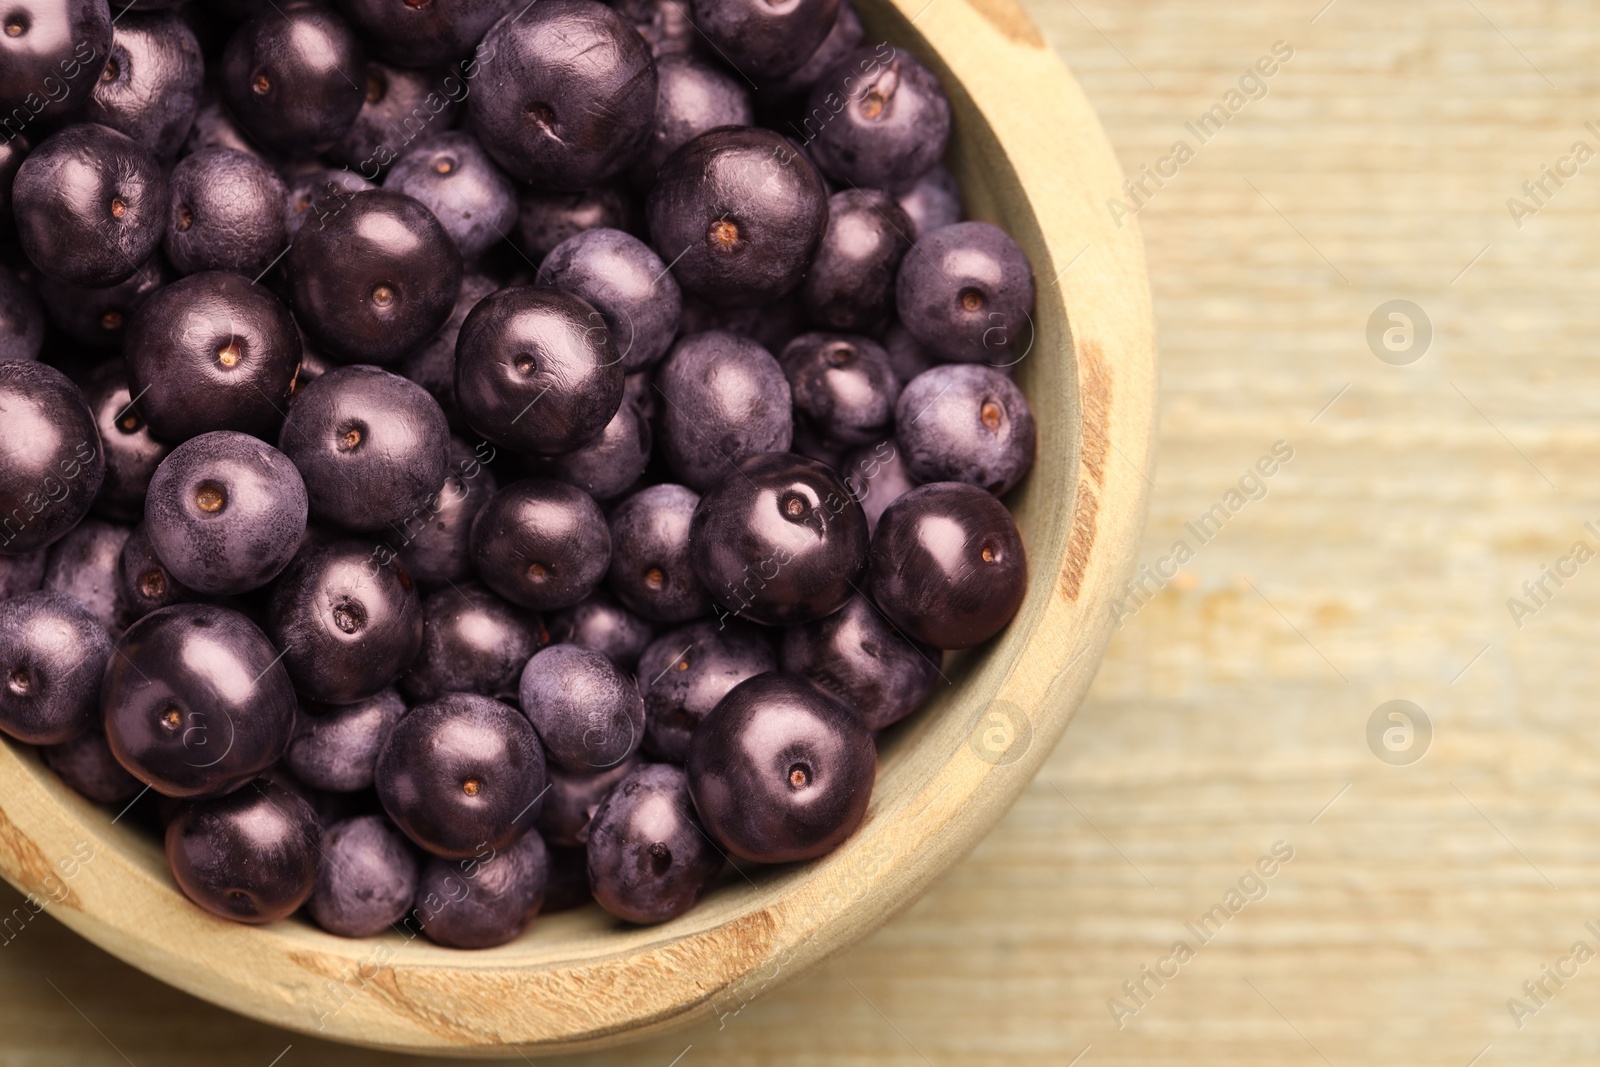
pixel 21 317
pixel 588 713
pixel 348 621
pixel 52 654
pixel 372 447
pixel 51 51
pixel 965 422
pixel 99 317
pixel 932 202
pixel 336 747
pixel 366 880
pixel 132 453
pixel 966 293
pixel 87 766
pixel 195 701
pixel 843 386
pixel 876 475
pixel 687 671
pixel 545 219
pixel 51 463
pixel 850 285
pixel 600 623
pixel 374 276
pixel 212 352
pixel 783 543
pixel 150 87
pixel 738 213
pixel 294 78
pixel 573 797
pixel 763 39
pixel 878 119
pixel 692 96
pixel 472 642
pixel 611 463
pixel 225 512
pixel 541 544
pixel 433 366
pixel 781 771
pixel 569 97
pixel 250 856
pixel 856 655
pixel 723 398
pixel 486 899
pixel 422 33
pixel 90 205
pixel 461 774
pixel 226 213
pixel 948 566
pixel 434 546
pixel 314 198
pixel 649 860
pixel 651 570
pixel 537 371
pixel 145 582
pixel 452 176
pixel 842 39
pixel 620 277
pixel 86 565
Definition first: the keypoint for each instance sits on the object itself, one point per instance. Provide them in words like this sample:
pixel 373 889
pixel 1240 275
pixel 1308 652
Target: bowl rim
pixel 1035 157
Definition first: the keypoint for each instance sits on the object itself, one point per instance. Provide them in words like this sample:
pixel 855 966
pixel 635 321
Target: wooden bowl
pixel 1032 158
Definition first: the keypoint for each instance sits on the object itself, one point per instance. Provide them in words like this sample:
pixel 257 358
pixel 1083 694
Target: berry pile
pixel 462 457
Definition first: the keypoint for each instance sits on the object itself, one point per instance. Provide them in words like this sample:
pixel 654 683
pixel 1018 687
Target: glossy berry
pixel 541 544
pixel 314 198
pixel 843 385
pixel 738 213
pixel 90 205
pixel 783 543
pixel 485 900
pixel 366 880
pixel 764 39
pixel 723 398
pixel 611 463
pixel 651 570
pixel 620 277
pixel 966 293
pixel 195 701
pixel 588 713
pixel 52 654
pixel 572 799
pixel 150 87
pixel 856 655
pixel 649 859
pixel 225 512
pixel 876 476
pixel 878 119
pixel 86 566
pixel 948 566
pixel 686 672
pixel 600 623
pixel 461 774
pixel 569 97
pixel 51 51
pixel 434 547
pixel 781 771
pixel 144 581
pixel 348 622
pixel 132 452
pixel 88 768
pixel 226 213
pixel 374 277
pixel 452 176
pixel 692 96
pixel 850 285
pixel 545 219
pixel 293 78
pixel 21 317
pixel 335 747
pixel 842 39
pixel 472 642
pixel 933 201
pixel 372 446
pixel 965 422
pixel 426 33
pixel 537 371
pixel 212 352
pixel 250 856
pixel 99 317
pixel 51 464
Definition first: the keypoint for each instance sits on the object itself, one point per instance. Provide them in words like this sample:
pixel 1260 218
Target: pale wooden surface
pixel 1425 895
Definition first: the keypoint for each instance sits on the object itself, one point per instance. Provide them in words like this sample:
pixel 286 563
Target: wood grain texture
pixel 1417 903
pixel 583 980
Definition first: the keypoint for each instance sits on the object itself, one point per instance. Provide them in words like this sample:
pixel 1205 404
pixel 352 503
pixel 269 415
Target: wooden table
pixel 1233 711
